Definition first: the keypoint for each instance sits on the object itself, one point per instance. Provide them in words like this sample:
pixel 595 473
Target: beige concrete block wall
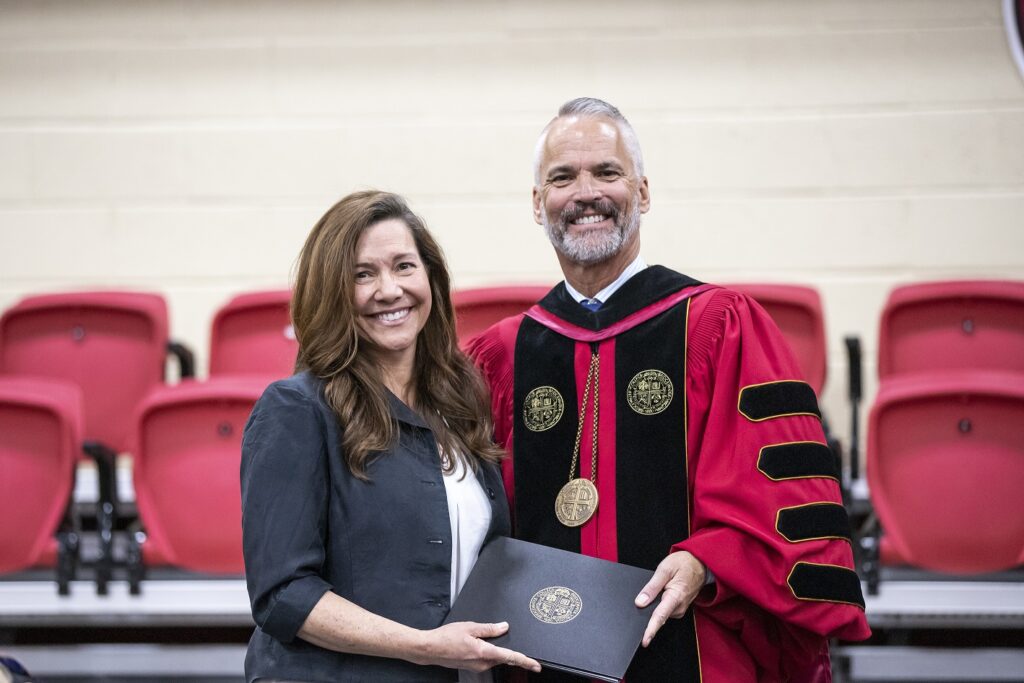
pixel 187 147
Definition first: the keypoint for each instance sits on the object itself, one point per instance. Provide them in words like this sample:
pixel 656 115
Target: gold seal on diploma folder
pixel 556 604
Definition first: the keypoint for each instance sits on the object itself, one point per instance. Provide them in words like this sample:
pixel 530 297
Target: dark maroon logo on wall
pixel 1013 17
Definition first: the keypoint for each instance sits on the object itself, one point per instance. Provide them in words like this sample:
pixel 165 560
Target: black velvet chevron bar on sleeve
pixel 778 399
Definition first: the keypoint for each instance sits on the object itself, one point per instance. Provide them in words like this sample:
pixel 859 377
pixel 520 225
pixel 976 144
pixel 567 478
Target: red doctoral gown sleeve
pixel 735 505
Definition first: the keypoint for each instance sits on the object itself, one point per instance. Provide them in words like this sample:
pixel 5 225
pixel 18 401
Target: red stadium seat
pixel 946 470
pixel 952 325
pixel 187 459
pixel 798 312
pixel 478 309
pixel 113 345
pixel 253 334
pixel 40 434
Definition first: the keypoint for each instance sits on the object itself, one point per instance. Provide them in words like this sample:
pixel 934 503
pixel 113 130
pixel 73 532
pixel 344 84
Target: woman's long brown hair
pixel 451 396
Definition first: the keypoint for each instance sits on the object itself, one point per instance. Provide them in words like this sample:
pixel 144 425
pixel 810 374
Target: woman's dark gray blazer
pixel 310 527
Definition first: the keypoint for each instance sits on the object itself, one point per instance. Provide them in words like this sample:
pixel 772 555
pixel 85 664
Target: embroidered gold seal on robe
pixel 542 409
pixel 649 392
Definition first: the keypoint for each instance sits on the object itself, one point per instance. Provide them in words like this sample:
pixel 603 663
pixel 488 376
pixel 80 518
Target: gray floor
pixel 63 646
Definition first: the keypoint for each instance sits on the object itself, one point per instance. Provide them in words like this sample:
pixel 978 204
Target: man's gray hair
pixel 591 107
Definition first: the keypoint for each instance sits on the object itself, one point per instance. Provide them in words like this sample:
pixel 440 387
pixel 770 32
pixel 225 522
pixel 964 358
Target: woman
pixel 369 481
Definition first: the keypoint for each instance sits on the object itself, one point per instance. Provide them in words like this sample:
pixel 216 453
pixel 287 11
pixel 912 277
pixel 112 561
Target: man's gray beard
pixel 589 248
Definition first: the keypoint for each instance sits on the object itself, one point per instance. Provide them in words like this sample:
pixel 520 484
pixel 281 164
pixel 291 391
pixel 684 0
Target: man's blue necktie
pixel 592 304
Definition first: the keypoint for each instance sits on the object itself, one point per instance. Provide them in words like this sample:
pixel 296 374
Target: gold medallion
pixel 649 392
pixel 576 502
pixel 556 605
pixel 542 409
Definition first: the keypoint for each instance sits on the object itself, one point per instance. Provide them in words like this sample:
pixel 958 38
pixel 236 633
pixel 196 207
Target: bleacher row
pixel 82 377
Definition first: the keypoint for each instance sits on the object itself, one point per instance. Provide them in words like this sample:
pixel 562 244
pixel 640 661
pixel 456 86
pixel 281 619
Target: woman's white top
pixel 470 514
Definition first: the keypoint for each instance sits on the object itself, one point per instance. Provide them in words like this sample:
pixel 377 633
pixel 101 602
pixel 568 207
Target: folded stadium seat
pixel 40 435
pixel 951 325
pixel 798 312
pixel 477 309
pixel 253 334
pixel 946 470
pixel 113 345
pixel 961 342
pixel 187 458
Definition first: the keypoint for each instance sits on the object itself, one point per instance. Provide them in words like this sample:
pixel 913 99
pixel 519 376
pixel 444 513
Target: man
pixel 660 422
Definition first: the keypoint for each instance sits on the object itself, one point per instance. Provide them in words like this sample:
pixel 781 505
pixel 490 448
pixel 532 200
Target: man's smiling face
pixel 590 198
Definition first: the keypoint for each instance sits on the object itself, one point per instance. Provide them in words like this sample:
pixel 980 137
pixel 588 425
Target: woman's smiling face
pixel 392 291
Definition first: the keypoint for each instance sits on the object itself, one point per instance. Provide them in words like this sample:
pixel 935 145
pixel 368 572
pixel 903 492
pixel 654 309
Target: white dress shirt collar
pixel 632 269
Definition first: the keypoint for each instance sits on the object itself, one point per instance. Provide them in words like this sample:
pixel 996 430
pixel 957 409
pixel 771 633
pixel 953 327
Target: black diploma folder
pixel 567 611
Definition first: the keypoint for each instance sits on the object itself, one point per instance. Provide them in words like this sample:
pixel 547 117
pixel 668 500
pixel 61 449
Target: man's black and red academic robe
pixel 709 441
